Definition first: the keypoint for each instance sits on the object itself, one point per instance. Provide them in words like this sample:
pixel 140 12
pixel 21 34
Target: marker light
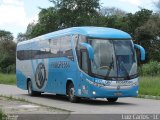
pixel 137 91
pixel 94 92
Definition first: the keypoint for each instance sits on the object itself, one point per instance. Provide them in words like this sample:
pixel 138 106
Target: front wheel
pixel 112 99
pixel 71 93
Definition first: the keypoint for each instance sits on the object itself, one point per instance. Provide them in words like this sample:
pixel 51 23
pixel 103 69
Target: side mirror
pixel 89 49
pixel 142 51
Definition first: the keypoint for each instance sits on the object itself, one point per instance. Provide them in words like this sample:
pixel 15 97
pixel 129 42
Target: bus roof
pixel 90 31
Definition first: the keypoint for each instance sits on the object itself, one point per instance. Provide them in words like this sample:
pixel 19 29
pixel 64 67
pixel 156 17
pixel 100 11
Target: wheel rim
pixel 71 93
pixel 29 88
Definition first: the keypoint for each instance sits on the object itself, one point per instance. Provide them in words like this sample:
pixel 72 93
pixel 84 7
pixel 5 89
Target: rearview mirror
pixel 142 51
pixel 89 49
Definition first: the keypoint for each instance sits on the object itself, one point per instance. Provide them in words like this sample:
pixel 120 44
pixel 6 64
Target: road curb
pixel 149 97
pixel 28 101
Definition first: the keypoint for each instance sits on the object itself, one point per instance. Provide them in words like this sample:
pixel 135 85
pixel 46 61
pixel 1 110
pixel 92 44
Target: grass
pixel 7 79
pixel 16 99
pixel 149 85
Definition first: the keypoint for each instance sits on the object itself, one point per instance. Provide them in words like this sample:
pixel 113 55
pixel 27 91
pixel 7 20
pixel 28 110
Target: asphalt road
pixel 98 106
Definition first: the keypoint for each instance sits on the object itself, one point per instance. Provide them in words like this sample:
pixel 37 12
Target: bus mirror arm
pixel 142 51
pixel 89 49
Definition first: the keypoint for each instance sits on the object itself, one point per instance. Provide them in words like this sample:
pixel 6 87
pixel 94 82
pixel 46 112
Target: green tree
pixel 7 52
pixel 136 20
pixel 5 35
pixel 115 18
pixel 66 13
pixel 128 22
pixel 149 37
pixel 21 37
pixel 48 22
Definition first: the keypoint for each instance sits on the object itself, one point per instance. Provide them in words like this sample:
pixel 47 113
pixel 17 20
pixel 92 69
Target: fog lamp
pixel 94 92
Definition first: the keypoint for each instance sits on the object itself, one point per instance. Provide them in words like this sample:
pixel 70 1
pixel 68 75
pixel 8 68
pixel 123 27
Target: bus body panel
pixel 60 70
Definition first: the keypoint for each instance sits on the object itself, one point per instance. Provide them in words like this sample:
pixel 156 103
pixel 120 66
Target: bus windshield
pixel 113 59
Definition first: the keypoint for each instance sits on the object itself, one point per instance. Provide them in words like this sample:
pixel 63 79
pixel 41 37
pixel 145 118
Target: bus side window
pixel 81 39
pixel 20 54
pixel 84 61
pixel 54 47
pixel 66 49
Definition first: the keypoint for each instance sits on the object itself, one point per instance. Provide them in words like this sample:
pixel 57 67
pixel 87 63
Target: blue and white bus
pixel 80 62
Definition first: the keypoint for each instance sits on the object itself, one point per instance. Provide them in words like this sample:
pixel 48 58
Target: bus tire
pixel 112 99
pixel 71 95
pixel 30 90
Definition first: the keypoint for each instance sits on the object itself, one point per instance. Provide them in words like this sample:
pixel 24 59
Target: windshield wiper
pixel 133 76
pixel 122 64
pixel 110 68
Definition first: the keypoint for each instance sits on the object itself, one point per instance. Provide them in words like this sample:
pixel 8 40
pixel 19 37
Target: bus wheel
pixel 30 90
pixel 112 99
pixel 71 93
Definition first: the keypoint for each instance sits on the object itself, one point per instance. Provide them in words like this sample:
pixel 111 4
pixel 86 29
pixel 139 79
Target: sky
pixel 15 15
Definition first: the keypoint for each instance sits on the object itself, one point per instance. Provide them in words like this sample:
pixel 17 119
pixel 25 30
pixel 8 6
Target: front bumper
pixel 104 92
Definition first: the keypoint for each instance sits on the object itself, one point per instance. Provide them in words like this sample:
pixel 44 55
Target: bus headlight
pixel 94 92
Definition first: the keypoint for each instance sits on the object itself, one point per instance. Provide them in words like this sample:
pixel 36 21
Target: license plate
pixel 117 94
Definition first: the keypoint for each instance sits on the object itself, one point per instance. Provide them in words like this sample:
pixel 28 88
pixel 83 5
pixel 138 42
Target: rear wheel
pixel 30 90
pixel 112 99
pixel 71 93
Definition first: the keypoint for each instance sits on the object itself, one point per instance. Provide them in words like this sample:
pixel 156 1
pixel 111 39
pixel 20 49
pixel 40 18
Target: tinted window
pixel 81 39
pixel 48 49
pixel 20 54
pixel 84 64
pixel 55 47
pixel 43 50
pixel 66 49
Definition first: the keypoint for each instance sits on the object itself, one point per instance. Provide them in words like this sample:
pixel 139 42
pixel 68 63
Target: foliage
pixel 21 37
pixel 64 14
pixel 11 69
pixel 48 22
pixel 150 69
pixel 149 85
pixel 136 20
pixel 7 52
pixel 5 35
pixel 149 37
